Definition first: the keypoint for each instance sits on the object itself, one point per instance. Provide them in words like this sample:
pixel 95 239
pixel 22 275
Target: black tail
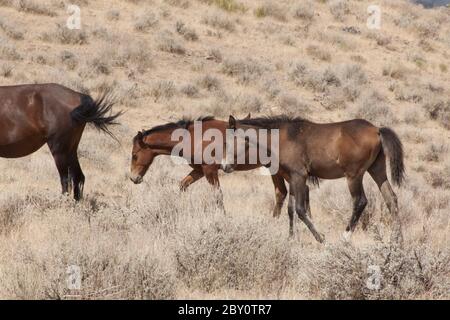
pixel 98 112
pixel 393 149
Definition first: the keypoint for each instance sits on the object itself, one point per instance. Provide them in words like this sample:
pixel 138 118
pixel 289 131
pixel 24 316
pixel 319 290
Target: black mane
pixel 183 123
pixel 273 122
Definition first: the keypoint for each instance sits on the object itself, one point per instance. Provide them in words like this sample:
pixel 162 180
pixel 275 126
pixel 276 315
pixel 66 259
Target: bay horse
pixel 330 151
pixel 34 114
pixel 157 141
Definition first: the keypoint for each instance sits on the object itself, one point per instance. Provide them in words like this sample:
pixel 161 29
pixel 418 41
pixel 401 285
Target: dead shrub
pixel 69 59
pixel 379 272
pixel 318 52
pixel 219 21
pixel 31 6
pixel 227 5
pixel 239 257
pixel 439 110
pixel 64 35
pixel 6 70
pixel 190 90
pixel 11 31
pixel 215 55
pixel 8 51
pixel 184 4
pixel 163 89
pixel 373 107
pixel 434 152
pixel 290 105
pixel 439 179
pixel 339 9
pixel 209 83
pixel 167 43
pixel 187 33
pixel 304 11
pixel 270 9
pixel 145 21
pixel 245 70
pixel 349 77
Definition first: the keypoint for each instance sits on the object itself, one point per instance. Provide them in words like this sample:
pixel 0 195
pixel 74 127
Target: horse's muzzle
pixel 136 179
pixel 226 167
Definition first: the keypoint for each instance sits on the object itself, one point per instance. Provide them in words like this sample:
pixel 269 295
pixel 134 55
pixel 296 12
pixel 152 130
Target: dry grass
pixel 219 21
pixel 339 9
pixel 168 43
pixel 187 33
pixel 271 9
pixel 315 59
pixel 227 5
pixel 245 70
pixel 304 11
pixel 11 31
pixel 64 35
pixel 319 53
pixel 145 21
pixel 32 6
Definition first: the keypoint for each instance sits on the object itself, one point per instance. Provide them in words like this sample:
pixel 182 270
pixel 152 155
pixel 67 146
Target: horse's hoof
pixel 320 238
pixel 347 236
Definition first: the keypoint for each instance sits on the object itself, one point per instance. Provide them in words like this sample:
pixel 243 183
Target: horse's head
pixel 235 153
pixel 141 158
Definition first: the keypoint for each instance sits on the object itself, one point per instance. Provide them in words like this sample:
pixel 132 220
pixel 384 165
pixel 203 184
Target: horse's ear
pixel 140 138
pixel 248 116
pixel 232 122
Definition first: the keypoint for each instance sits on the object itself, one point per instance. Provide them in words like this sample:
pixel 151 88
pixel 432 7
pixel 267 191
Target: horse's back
pixel 334 147
pixel 31 113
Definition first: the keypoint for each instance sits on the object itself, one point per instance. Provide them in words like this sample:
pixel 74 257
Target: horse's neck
pixel 160 142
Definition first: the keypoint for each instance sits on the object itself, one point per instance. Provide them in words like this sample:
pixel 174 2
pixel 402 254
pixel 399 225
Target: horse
pixel 329 151
pixel 32 115
pixel 148 144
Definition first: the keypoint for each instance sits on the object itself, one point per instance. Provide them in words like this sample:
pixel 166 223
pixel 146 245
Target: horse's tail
pixel 98 112
pixel 393 149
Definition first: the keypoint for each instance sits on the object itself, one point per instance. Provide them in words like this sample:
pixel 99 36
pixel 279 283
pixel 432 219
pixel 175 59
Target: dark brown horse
pixel 158 141
pixel 35 114
pixel 330 151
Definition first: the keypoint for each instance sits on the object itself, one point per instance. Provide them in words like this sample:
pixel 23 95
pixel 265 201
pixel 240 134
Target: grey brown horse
pixel 330 151
pixel 37 114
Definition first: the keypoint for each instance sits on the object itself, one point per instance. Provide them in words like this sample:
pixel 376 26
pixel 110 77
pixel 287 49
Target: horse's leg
pixel 280 194
pixel 298 185
pixel 307 205
pixel 62 161
pixel 378 173
pixel 212 176
pixel 77 176
pixel 291 208
pixel 193 176
pixel 355 185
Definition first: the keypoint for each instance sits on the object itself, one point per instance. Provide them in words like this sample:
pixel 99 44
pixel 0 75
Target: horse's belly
pixel 22 148
pixel 330 171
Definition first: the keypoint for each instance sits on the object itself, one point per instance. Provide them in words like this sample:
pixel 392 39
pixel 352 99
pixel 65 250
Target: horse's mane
pixel 273 122
pixel 183 123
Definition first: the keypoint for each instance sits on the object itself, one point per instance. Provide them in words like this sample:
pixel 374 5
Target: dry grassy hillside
pixel 169 58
